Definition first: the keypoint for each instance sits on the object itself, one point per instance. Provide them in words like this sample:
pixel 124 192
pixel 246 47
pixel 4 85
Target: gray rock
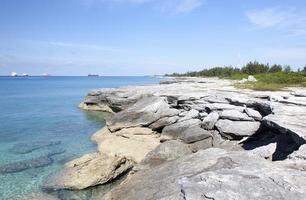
pixel 222 106
pixel 169 150
pixel 23 148
pixel 210 121
pixel 235 115
pixel 253 113
pixel 161 123
pixel 203 115
pixel 299 154
pixel 144 112
pixel 201 175
pixel 201 145
pixel 174 131
pixel 237 129
pixel 299 93
pixel 288 119
pixel 190 115
pixel 194 134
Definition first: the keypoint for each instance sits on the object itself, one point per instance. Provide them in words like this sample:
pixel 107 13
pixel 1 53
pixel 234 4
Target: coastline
pixel 179 124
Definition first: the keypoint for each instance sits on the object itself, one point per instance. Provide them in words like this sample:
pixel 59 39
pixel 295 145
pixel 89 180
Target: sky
pixel 147 37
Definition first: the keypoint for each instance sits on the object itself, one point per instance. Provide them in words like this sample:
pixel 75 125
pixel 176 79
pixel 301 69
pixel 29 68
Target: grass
pixel 273 81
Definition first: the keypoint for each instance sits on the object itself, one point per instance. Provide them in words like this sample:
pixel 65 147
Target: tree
pixel 304 69
pixel 287 68
pixel 275 68
pixel 255 68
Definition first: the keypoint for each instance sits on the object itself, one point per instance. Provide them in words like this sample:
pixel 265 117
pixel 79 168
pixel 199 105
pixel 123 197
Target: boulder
pixel 133 143
pixel 265 151
pixel 253 113
pixel 89 170
pixel 201 175
pixel 144 112
pixel 169 150
pixel 201 145
pixel 173 131
pixel 190 115
pixel 222 106
pixel 95 107
pixel 209 122
pixel 194 134
pixel 237 129
pixel 161 123
pixel 235 115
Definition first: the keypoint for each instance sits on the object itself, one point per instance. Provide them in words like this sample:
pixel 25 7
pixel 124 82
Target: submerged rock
pixel 237 129
pixel 89 170
pixel 23 148
pixel 39 196
pixel 201 175
pixel 19 166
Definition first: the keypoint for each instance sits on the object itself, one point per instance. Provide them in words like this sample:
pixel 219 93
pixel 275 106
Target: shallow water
pixel 35 110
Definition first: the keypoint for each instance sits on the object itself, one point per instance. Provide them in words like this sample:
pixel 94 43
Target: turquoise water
pixel 37 110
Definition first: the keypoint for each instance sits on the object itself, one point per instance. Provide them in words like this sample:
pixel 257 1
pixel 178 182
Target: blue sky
pixel 142 37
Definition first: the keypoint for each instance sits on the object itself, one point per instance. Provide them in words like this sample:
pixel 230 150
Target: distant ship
pixel 14 74
pixel 24 74
pixel 45 74
pixel 93 74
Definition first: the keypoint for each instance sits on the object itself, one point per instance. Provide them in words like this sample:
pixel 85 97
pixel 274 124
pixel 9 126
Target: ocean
pixel 39 117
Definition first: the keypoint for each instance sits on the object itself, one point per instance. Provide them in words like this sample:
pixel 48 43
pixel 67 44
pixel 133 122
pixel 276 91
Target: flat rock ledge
pixel 189 137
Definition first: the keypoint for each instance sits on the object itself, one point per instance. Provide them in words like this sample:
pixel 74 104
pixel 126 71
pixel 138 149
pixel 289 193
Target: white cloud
pixel 168 6
pixel 288 20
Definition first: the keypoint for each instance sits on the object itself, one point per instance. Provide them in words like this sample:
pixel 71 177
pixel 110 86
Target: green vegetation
pixel 272 78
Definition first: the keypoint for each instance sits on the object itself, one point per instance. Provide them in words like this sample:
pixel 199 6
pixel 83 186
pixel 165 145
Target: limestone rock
pixel 190 115
pixel 299 154
pixel 210 121
pixel 133 143
pixel 175 130
pixel 144 112
pixel 194 134
pixel 169 150
pixel 235 115
pixel 237 129
pixel 253 113
pixel 89 170
pixel 265 151
pixel 222 106
pixel 161 123
pixel 201 175
pixel 201 145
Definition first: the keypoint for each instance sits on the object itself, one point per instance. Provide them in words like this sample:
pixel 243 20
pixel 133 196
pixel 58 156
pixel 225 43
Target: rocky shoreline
pixel 194 138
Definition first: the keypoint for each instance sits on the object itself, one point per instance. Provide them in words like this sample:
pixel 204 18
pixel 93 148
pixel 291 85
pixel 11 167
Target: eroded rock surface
pixel 201 175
